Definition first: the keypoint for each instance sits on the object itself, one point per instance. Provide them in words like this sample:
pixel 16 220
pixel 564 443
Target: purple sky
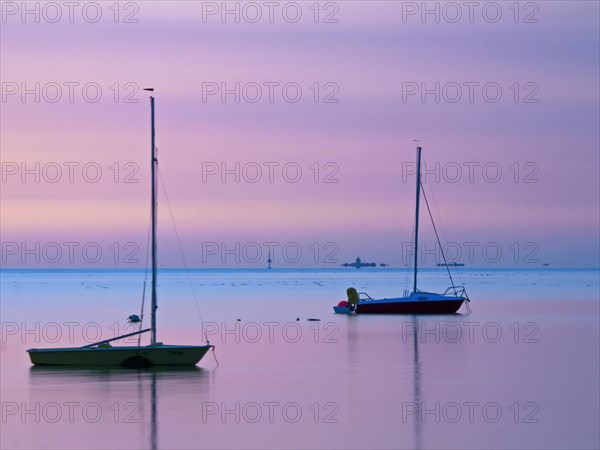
pixel 543 207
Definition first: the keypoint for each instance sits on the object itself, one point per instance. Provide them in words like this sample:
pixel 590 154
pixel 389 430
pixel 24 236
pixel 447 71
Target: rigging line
pixel 437 237
pixel 187 271
pixel 437 210
pixel 142 313
pixel 145 280
pixel 441 223
pixel 215 355
pixel 408 276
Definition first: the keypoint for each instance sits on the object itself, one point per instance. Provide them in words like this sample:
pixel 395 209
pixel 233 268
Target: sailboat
pixel 102 353
pixel 417 301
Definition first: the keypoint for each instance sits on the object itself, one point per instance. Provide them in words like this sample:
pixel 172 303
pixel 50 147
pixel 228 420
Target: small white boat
pixel 102 353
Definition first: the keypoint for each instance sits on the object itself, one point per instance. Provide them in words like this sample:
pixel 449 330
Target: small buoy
pixel 297 319
pixel 239 320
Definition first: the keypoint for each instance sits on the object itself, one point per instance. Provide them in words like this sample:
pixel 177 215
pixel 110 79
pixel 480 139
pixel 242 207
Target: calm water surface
pixel 520 371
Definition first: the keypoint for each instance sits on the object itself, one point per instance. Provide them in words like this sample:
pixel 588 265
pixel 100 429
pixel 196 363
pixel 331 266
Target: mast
pixel 417 214
pixel 153 180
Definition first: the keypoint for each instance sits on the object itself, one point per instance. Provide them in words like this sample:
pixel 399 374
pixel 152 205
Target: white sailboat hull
pixel 152 355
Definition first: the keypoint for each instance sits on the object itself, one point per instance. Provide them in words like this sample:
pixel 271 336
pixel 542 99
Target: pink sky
pixel 366 136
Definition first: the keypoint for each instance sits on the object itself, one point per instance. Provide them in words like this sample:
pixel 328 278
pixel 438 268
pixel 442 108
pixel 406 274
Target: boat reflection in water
pixel 416 383
pixel 124 403
pixel 401 384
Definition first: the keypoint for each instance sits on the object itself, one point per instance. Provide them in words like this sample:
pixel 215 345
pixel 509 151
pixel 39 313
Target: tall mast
pixel 153 165
pixel 417 214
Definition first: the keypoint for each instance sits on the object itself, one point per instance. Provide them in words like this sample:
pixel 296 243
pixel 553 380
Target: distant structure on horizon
pixel 269 261
pixel 453 264
pixel 358 264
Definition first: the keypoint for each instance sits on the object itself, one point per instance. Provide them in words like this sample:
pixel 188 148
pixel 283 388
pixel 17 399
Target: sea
pixel 518 368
